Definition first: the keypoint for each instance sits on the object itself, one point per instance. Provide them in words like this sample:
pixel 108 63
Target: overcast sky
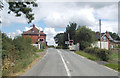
pixel 53 17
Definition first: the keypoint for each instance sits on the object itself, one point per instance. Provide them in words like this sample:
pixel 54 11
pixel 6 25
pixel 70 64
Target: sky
pixel 53 17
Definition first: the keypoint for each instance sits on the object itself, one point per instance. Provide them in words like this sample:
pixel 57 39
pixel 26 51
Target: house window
pixel 41 39
pixel 104 38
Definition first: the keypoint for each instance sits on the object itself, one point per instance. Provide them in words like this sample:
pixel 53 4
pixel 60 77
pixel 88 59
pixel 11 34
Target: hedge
pixel 103 54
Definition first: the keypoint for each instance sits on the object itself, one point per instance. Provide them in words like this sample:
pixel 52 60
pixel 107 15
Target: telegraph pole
pixel 68 38
pixel 100 31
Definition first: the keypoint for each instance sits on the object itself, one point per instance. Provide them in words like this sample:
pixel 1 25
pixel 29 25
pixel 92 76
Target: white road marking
pixel 67 62
pixel 65 65
pixel 111 69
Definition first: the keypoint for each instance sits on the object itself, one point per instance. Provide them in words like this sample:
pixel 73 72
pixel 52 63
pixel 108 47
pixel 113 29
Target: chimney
pixel 33 26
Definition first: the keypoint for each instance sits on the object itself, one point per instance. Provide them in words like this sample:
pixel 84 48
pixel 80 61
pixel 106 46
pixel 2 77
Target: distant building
pixel 107 41
pixel 37 36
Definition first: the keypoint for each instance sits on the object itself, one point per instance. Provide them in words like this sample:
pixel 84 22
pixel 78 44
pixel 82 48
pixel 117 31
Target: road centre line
pixel 65 65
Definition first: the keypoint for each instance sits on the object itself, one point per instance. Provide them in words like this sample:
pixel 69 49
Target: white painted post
pixel 39 46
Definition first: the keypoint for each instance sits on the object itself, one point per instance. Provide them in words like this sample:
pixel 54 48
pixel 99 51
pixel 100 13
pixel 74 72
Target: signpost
pixel 66 42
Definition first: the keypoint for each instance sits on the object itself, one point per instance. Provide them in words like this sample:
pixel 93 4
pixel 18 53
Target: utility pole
pixel 100 31
pixel 68 38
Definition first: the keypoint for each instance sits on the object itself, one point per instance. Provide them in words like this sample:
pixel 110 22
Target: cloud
pixel 18 32
pixel 7 19
pixel 27 28
pixel 58 15
pixel 50 32
pixel 67 12
pixel 111 26
pixel 14 34
pixel 77 0
pixel 108 12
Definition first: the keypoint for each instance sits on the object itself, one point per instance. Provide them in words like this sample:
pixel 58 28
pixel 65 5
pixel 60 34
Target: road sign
pixel 66 42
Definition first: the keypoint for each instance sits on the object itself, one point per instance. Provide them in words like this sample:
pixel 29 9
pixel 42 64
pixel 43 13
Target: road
pixel 59 62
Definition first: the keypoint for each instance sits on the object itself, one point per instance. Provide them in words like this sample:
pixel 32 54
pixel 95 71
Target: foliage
pixel 113 66
pixel 84 36
pixel 71 30
pixel 21 7
pixel 43 46
pixel 16 54
pixel 80 34
pixel 103 54
pixel 59 39
pixel 114 36
pixel 41 50
pixel 1 5
pixel 50 46
pixel 87 55
pixel 59 47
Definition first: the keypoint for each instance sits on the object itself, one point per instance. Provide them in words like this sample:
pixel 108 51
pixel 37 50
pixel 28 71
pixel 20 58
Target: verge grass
pixel 89 56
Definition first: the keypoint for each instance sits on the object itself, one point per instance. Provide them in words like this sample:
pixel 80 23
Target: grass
pixel 112 61
pixel 114 57
pixel 20 65
pixel 113 66
pixel 41 50
pixel 89 56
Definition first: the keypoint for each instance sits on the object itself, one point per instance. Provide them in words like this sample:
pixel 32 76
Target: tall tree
pixel 59 39
pixel 114 36
pixel 84 36
pixel 71 29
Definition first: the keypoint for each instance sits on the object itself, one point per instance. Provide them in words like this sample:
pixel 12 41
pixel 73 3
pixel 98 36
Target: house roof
pixel 97 35
pixel 33 31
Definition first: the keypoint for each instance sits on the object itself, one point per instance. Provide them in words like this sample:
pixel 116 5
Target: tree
pixel 20 7
pixel 1 5
pixel 71 29
pixel 114 36
pixel 84 36
pixel 59 39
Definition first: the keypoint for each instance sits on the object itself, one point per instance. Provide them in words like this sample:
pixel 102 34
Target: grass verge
pixel 41 50
pixel 22 66
pixel 89 56
pixel 113 66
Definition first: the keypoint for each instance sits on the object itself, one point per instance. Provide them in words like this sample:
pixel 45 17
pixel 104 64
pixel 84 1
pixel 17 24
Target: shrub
pixel 17 52
pixel 59 47
pixel 103 54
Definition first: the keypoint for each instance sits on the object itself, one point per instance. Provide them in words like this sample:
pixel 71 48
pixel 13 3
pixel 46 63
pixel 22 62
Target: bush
pixel 103 54
pixel 59 47
pixel 16 54
pixel 87 55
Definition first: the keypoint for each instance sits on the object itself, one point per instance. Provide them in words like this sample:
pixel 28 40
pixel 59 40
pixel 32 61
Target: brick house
pixel 36 35
pixel 107 42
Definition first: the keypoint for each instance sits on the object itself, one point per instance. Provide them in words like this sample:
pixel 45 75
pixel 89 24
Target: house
pixel 107 42
pixel 37 36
